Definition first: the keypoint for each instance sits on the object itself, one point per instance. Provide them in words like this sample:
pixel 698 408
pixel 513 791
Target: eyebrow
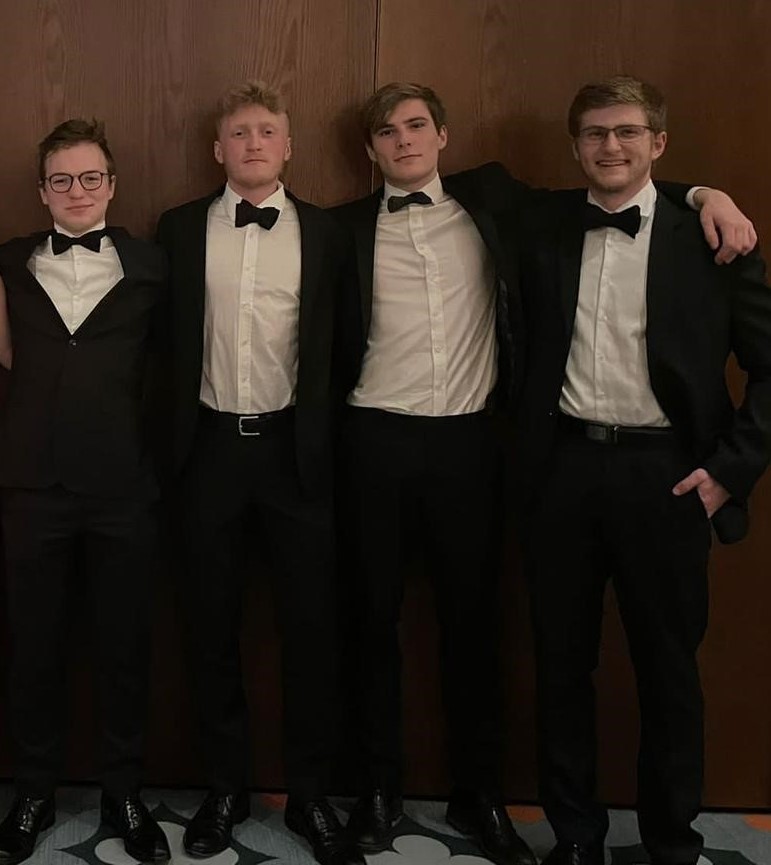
pixel 408 120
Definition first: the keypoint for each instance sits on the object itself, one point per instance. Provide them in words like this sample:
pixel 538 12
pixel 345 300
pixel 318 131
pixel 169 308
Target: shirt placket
pixel 246 318
pixel 76 297
pixel 601 342
pixel 437 331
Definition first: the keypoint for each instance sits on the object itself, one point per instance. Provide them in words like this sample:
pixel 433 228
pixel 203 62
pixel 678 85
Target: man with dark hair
pixel 255 273
pixel 630 445
pixel 433 343
pixel 78 310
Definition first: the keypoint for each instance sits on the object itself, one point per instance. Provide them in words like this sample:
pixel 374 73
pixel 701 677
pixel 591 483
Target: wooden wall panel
pixel 507 70
pixel 153 71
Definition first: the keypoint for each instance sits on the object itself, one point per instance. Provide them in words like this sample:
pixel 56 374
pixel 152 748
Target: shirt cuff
pixel 689 198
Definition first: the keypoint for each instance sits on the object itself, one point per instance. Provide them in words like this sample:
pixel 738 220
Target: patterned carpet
pixel 76 837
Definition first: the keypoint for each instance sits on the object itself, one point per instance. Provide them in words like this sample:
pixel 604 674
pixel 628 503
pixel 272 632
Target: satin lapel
pixel 311 258
pixel 661 268
pixel 364 235
pixel 35 294
pixel 482 218
pixel 570 246
pixel 193 268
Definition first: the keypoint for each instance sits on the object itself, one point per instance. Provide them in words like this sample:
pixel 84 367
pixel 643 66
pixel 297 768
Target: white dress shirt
pixel 606 377
pixel 77 279
pixel 431 348
pixel 251 318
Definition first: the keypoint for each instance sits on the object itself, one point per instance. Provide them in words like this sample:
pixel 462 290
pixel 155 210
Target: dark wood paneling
pixel 153 71
pixel 507 70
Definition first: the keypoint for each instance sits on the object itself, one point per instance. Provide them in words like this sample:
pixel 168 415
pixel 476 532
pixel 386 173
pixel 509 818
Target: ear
pixel 288 150
pixel 574 148
pixel 659 145
pixel 218 152
pixel 41 188
pixel 443 138
pixel 370 152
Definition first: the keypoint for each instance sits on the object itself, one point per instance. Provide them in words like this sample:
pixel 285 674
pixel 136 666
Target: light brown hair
pixel 619 90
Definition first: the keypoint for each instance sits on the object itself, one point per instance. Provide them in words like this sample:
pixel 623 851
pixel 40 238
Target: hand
pixel 722 221
pixel 713 494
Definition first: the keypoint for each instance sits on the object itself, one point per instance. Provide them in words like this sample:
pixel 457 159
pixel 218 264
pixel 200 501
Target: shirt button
pixel 438 349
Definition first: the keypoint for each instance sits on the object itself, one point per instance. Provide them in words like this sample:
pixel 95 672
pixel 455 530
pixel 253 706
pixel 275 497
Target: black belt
pixel 267 422
pixel 614 434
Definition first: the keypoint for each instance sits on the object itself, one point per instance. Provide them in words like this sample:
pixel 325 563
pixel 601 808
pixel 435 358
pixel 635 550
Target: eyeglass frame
pixel 73 178
pixel 605 131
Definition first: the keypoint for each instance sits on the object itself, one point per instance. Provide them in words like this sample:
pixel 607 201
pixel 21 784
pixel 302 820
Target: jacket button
pixel 73 342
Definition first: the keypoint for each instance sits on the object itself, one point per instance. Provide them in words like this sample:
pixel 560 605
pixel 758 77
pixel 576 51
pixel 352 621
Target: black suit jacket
pixel 77 406
pixel 487 193
pixel 182 233
pixel 697 314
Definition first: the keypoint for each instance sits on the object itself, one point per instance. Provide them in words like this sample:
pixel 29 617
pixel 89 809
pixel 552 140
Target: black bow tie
pixel 397 202
pixel 62 242
pixel 247 213
pixel 627 220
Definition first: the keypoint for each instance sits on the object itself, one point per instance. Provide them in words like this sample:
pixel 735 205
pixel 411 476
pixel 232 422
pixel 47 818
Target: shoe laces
pixel 132 812
pixel 28 813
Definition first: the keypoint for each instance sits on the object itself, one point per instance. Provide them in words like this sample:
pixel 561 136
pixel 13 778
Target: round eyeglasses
pixel 89 180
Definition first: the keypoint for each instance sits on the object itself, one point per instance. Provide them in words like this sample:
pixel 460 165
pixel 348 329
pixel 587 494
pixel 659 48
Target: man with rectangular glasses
pixel 631 451
pixel 77 312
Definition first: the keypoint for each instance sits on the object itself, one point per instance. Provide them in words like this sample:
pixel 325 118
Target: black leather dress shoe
pixel 142 837
pixel 25 821
pixel 576 854
pixel 374 821
pixel 211 829
pixel 317 822
pixel 486 821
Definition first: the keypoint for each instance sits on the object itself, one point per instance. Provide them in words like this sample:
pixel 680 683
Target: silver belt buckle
pixel 602 433
pixel 241 430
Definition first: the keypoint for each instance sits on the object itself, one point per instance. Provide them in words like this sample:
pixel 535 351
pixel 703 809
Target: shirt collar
pixel 98 227
pixel 645 200
pixel 230 198
pixel 433 189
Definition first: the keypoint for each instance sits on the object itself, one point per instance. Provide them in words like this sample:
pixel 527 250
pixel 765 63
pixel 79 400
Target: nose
pixel 403 138
pixel 611 141
pixel 76 190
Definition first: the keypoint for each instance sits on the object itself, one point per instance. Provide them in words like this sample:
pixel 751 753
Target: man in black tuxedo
pixel 433 342
pixel 78 313
pixel 255 273
pixel 630 445
pixel 431 337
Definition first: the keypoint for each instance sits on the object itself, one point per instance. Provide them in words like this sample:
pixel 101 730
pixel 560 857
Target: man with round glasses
pixel 77 311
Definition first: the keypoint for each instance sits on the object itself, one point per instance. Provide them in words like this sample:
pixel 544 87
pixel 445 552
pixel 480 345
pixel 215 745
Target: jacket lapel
pixel 661 267
pixel 365 228
pixel 311 258
pixel 570 246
